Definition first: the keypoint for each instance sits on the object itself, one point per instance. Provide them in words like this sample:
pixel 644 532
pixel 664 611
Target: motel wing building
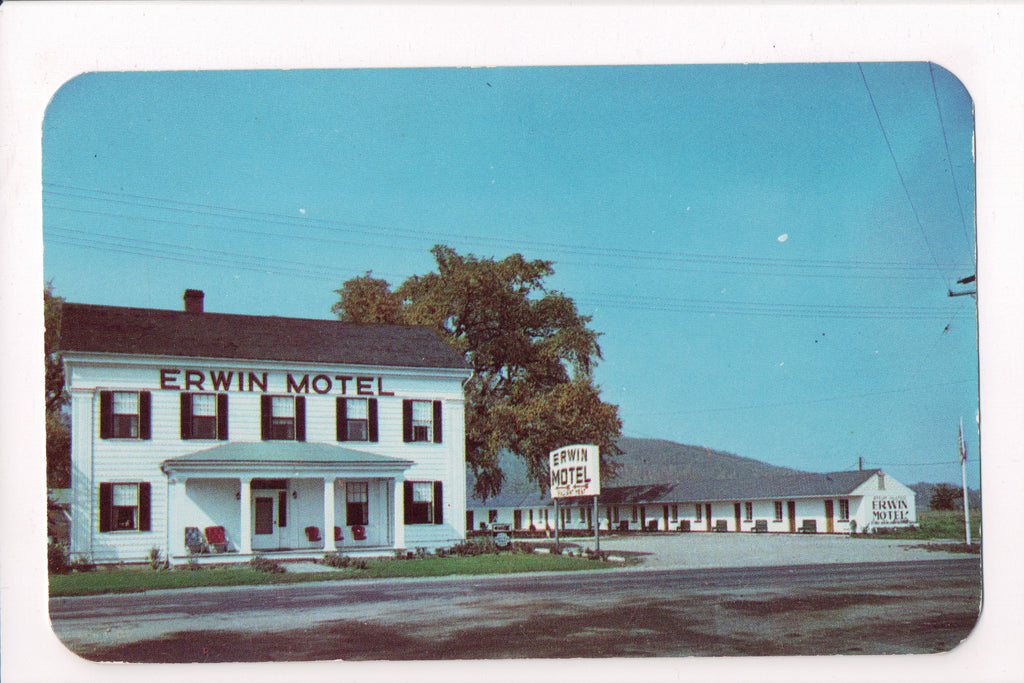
pixel 281 435
pixel 830 502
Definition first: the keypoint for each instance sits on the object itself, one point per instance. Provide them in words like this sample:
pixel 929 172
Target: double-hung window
pixel 204 416
pixel 844 510
pixel 778 511
pixel 283 418
pixel 357 419
pixel 357 501
pixel 698 509
pixel 124 506
pixel 125 414
pixel 423 503
pixel 748 512
pixel 421 421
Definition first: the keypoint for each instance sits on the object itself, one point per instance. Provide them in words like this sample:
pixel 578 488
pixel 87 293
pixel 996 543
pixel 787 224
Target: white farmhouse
pixel 198 432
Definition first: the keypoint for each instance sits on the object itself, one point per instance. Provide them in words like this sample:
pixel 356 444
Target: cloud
pixel 783 237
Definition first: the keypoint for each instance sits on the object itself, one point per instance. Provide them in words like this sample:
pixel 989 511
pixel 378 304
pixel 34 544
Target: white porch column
pixel 329 546
pixel 399 498
pixel 245 507
pixel 175 505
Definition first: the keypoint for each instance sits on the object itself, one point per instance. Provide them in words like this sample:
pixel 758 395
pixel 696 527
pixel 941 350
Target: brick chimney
pixel 194 300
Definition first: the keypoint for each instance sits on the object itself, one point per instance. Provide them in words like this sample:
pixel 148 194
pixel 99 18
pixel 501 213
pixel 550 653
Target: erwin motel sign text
pixel 575 471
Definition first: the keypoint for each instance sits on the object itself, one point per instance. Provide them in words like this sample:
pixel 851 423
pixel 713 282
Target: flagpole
pixel 963 478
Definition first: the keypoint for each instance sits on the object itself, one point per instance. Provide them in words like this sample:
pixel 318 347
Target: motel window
pixel 615 514
pixel 423 503
pixel 125 414
pixel 357 501
pixel 357 419
pixel 748 512
pixel 492 516
pixel 634 514
pixel 844 510
pixel 421 421
pixel 283 418
pixel 583 514
pixel 778 511
pixel 204 416
pixel 124 506
pixel 698 509
pixel 675 512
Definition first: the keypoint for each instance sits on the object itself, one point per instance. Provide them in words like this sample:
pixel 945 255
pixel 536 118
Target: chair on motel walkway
pixel 313 534
pixel 195 541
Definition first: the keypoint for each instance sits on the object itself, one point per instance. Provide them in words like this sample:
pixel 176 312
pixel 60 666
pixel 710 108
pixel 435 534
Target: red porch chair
pixel 337 534
pixel 216 539
pixel 313 534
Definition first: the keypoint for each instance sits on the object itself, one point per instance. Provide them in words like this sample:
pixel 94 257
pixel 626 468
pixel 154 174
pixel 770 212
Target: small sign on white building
pixel 575 471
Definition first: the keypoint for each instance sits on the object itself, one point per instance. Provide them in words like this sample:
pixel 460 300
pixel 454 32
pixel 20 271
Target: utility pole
pixel 965 281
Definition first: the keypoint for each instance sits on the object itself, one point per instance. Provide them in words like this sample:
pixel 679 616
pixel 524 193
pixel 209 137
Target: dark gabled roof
pixel 808 484
pixel 147 331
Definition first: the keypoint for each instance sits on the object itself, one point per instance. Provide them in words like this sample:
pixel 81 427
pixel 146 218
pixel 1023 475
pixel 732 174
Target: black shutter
pixel 437 422
pixel 408 501
pixel 406 420
pixel 371 414
pixel 282 508
pixel 145 411
pixel 300 418
pixel 106 497
pixel 438 504
pixel 222 417
pixel 265 408
pixel 186 416
pixel 106 414
pixel 144 506
pixel 341 415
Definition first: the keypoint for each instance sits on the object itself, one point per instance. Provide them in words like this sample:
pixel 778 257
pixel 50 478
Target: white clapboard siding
pixel 96 460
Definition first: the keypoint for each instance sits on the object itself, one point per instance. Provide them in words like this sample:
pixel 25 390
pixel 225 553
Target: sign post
pixel 576 471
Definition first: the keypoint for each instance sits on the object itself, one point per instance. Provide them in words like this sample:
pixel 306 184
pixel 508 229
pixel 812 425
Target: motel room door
pixel 829 517
pixel 791 509
pixel 266 532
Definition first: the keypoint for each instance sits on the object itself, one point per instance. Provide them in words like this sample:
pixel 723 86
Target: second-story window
pixel 204 416
pixel 283 418
pixel 357 419
pixel 421 421
pixel 124 414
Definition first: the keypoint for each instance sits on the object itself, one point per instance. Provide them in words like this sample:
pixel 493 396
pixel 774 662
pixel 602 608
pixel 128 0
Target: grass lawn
pixel 938 525
pixel 135 579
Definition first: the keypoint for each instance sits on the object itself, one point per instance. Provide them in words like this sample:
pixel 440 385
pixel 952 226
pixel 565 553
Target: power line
pixel 949 159
pixel 404 233
pixel 899 174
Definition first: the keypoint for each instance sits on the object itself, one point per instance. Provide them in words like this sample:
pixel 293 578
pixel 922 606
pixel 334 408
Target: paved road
pixel 910 606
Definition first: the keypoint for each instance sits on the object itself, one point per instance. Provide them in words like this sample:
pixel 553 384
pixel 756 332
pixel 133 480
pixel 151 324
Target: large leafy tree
pixel 945 497
pixel 58 429
pixel 531 351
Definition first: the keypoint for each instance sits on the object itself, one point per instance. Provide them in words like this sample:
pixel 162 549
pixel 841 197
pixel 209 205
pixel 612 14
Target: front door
pixel 829 513
pixel 791 509
pixel 736 514
pixel 707 515
pixel 265 530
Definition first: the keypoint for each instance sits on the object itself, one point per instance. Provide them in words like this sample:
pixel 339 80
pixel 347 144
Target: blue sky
pixel 766 249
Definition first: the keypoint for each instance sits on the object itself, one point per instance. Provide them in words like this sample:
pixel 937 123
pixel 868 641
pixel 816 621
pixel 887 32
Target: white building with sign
pixel 197 432
pixel 830 502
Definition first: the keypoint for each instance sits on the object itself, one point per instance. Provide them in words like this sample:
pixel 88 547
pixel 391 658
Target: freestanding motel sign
pixel 576 471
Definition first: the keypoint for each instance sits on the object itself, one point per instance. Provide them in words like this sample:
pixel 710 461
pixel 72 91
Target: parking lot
pixel 705 550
